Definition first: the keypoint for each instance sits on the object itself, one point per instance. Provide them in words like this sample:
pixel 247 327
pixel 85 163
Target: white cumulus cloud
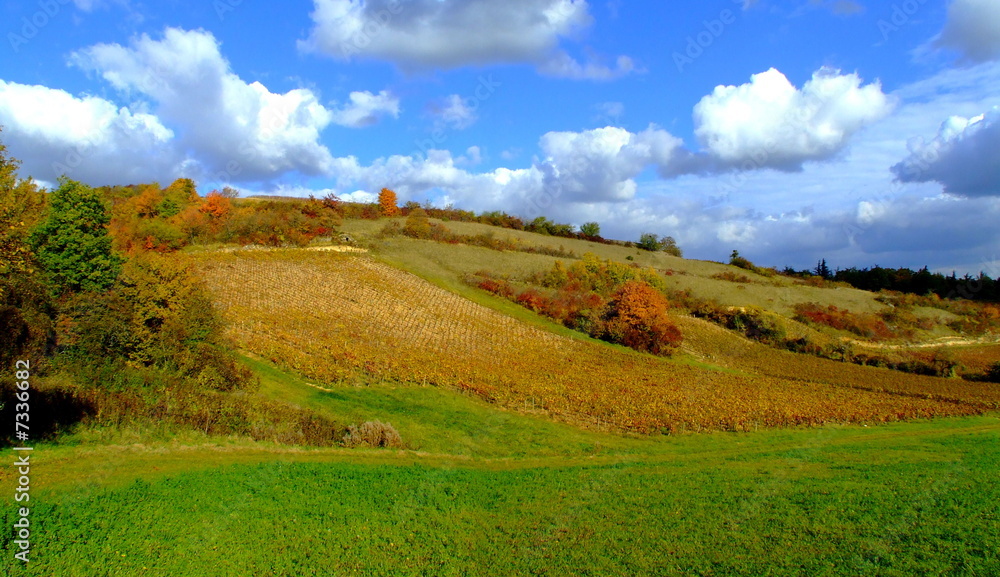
pixel 236 130
pixel 964 157
pixel 770 123
pixel 599 165
pixel 420 34
pixel 575 168
pixel 86 138
pixel 365 108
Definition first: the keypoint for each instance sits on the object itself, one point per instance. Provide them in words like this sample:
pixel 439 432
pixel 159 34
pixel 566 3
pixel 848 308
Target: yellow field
pixel 339 318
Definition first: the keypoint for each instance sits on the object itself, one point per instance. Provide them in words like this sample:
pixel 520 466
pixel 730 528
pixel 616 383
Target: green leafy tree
pixel 649 241
pixel 591 229
pixel 72 242
pixel 540 225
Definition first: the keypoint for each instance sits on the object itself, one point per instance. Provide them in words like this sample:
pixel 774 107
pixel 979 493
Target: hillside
pixel 450 263
pixel 340 318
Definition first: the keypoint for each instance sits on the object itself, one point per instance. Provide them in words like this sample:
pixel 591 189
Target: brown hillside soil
pixel 337 318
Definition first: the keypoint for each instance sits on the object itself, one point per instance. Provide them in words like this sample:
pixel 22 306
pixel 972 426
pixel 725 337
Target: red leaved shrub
pixel 637 318
pixel 864 325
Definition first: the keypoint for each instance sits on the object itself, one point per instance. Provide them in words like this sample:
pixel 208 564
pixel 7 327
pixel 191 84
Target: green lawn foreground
pixel 487 492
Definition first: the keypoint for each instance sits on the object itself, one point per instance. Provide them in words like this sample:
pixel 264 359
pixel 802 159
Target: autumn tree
pixel 147 203
pixel 25 309
pixel 331 201
pixel 387 202
pixel 21 208
pixel 72 242
pixel 637 318
pixel 179 194
pixel 216 205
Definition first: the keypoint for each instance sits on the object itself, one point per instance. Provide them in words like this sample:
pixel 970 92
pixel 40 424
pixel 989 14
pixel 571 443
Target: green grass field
pixel 479 491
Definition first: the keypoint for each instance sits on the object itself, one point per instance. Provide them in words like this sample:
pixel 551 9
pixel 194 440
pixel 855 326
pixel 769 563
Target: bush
pixel 864 325
pixel 532 299
pixel 417 224
pixel 637 318
pixel 731 276
pixel 487 282
pixel 118 395
pixel 372 434
pixel 754 323
pixel 993 373
pixel 738 261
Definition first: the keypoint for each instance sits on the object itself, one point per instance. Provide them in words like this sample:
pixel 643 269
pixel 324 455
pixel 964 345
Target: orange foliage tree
pixel 387 202
pixel 637 318
pixel 216 205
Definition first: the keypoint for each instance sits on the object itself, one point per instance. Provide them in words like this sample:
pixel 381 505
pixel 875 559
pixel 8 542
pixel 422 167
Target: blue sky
pixel 860 132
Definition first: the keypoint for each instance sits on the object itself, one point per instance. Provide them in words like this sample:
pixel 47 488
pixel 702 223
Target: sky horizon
pixel 855 131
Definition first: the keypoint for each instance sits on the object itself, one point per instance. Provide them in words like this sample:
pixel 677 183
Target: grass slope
pixel 901 499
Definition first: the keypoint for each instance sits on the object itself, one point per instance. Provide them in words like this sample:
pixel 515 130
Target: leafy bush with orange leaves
pixel 637 318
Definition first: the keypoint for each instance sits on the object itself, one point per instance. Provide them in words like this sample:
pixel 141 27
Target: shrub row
pixel 599 299
pixel 865 325
pixel 418 226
